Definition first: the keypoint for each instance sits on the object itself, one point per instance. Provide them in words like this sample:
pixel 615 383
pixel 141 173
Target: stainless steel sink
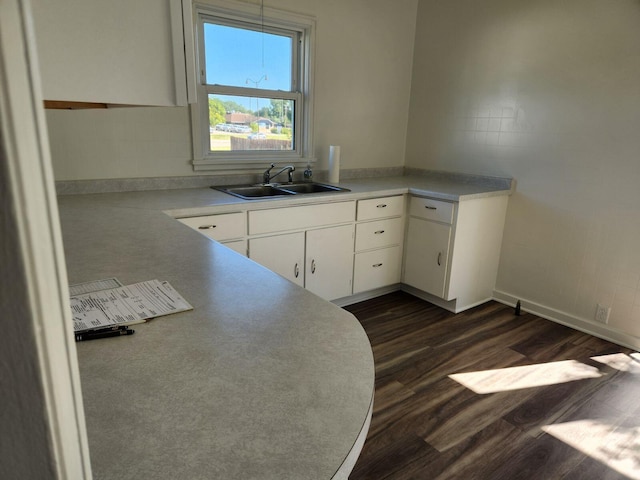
pixel 311 188
pixel 255 192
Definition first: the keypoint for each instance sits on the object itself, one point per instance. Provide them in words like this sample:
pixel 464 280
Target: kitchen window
pixel 254 87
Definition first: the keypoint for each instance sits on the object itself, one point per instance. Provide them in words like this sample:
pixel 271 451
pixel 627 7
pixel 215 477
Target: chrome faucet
pixel 267 177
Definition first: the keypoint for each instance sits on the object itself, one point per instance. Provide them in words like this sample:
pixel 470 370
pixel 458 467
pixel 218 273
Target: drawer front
pixel 299 218
pixel 380 233
pixel 380 207
pixel 431 209
pixel 376 269
pixel 224 226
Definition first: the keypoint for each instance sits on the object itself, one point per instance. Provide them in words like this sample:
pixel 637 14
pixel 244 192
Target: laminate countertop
pixel 261 380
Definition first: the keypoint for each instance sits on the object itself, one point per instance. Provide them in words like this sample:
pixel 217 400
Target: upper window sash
pixel 293 35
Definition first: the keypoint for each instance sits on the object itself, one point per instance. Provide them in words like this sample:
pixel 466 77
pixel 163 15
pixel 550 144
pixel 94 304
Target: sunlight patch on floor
pixel 615 446
pixel 621 361
pixel 528 376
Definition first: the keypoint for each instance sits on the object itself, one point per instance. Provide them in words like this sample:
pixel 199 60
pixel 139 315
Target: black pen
pixel 80 337
pixel 113 328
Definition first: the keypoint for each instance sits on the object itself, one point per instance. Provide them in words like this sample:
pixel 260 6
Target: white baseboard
pixel 449 305
pixel 368 295
pixel 587 326
pixel 591 327
pixel 453 306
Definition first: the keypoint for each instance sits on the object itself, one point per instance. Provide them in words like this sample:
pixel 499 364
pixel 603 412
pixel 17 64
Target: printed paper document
pixel 125 305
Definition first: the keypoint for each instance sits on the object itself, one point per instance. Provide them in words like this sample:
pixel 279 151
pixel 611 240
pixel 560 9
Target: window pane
pixel 238 57
pixel 250 123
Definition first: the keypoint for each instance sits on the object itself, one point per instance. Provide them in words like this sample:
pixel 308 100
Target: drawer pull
pixel 296 270
pixel 313 266
pixel 206 227
pixel 382 205
pixel 439 258
pixel 376 265
pixel 430 207
pixel 378 232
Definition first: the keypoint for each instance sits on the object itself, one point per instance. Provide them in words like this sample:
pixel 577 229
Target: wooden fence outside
pixel 241 143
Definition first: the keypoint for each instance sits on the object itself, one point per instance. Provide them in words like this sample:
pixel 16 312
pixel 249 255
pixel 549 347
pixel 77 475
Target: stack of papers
pixel 93 306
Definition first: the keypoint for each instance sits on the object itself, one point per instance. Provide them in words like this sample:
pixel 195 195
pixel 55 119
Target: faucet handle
pixel 266 176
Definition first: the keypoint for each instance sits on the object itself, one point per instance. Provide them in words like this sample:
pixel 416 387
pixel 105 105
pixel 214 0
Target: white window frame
pixel 235 13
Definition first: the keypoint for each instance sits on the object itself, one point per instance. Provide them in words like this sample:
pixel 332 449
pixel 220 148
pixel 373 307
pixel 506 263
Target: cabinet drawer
pixel 431 209
pixel 380 233
pixel 380 207
pixel 224 226
pixel 376 269
pixel 299 218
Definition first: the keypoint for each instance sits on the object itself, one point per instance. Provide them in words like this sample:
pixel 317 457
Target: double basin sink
pixel 255 192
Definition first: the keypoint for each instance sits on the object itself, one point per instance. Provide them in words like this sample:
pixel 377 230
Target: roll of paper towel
pixel 334 164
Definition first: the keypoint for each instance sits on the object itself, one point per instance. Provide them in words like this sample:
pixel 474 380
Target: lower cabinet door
pixel 239 246
pixel 427 256
pixel 283 254
pixel 329 262
pixel 377 268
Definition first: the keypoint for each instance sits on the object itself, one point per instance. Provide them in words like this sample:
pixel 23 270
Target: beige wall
pixel 547 92
pixel 362 82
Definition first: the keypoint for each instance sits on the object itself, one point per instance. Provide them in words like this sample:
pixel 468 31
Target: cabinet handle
pixel 430 207
pixel 206 227
pixel 378 232
pixel 439 257
pixel 382 205
pixel 296 270
pixel 376 265
pixel 313 266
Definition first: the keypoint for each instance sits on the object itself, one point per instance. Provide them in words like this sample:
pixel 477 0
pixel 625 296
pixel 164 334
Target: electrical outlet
pixel 602 313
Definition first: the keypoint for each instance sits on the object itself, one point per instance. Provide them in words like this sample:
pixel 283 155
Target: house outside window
pixel 254 87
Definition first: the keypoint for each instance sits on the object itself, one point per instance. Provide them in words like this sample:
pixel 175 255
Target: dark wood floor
pixel 572 411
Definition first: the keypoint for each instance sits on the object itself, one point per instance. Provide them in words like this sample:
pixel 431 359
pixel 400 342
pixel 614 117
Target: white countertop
pixel 261 380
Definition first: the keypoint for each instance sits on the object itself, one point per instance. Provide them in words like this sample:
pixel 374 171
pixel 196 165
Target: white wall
pixel 547 92
pixel 362 83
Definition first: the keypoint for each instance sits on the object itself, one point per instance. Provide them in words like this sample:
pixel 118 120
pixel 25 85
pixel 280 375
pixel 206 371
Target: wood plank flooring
pixel 486 394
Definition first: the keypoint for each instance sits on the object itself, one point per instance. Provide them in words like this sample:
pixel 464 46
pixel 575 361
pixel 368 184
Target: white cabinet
pixel 452 250
pixel 239 246
pixel 379 233
pixel 378 247
pixel 329 268
pixel 448 253
pixel 226 228
pixel 300 217
pixel 223 226
pixel 114 52
pixel 283 254
pixel 377 268
pixel 381 207
pixel 320 260
pixel 427 256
